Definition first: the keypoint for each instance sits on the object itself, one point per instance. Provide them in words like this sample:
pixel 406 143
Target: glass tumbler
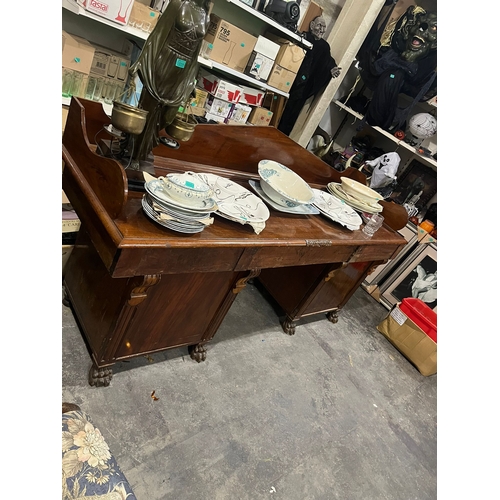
pixel 373 225
pixel 67 82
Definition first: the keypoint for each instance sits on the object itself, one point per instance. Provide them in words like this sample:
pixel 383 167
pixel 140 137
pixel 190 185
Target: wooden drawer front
pixel 376 252
pixel 270 257
pixel 138 261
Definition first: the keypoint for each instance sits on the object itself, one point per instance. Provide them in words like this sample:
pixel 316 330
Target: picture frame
pixel 415 178
pixel 415 277
pixel 410 234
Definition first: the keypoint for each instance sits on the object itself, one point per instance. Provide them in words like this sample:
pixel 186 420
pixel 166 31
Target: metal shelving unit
pixel 430 161
pixel 72 6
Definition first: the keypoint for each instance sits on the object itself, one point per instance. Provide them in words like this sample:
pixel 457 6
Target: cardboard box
pixel 197 111
pixel 117 11
pixel 290 57
pixel 251 96
pixel 313 11
pixel 410 340
pixel 276 103
pixel 200 98
pixel 71 225
pixel 266 47
pixel 143 17
pixel 259 66
pixel 217 107
pixel 222 89
pixel 281 78
pixel 424 237
pixel 110 64
pixel 77 53
pixel 227 44
pixel 260 116
pixel 239 114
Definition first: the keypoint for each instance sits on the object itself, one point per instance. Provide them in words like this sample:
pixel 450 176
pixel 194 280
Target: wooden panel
pixel 177 311
pixel 335 292
pixel 97 299
pixel 290 286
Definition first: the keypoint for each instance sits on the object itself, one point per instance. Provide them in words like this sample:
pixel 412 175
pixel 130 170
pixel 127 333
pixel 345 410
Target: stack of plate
pixel 183 217
pixel 355 202
pixel 336 210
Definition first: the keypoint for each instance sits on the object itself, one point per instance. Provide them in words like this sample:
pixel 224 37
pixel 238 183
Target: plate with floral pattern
pixel 235 201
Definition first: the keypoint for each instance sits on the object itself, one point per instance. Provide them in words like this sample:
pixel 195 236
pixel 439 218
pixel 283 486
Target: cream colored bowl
pixel 360 191
pixel 283 185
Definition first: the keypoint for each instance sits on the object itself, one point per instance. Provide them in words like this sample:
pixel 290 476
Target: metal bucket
pixel 128 119
pixel 182 127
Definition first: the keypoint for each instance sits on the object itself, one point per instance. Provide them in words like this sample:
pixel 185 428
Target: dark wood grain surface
pixel 134 284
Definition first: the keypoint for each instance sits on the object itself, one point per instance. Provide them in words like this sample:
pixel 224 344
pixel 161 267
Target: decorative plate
pixel 299 210
pixel 336 190
pixel 235 201
pixel 173 225
pixel 156 190
pixel 336 209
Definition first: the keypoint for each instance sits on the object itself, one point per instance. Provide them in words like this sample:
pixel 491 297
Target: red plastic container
pixel 422 315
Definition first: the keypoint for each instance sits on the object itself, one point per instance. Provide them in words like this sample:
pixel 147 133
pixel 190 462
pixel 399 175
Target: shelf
pixel 241 76
pixel 72 6
pixel 271 22
pixel 425 159
pixel 107 107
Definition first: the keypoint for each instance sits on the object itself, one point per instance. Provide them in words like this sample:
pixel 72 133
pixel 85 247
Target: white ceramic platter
pixel 336 209
pixel 299 210
pixel 235 201
pixel 336 189
pixel 155 189
pixel 174 226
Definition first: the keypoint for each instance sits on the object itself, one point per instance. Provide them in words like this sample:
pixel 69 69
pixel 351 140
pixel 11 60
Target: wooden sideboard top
pixel 97 188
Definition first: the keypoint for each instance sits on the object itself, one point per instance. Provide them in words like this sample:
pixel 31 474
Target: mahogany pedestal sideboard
pixel 137 288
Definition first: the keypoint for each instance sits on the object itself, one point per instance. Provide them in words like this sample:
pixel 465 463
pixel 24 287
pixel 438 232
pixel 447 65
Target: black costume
pixel 314 73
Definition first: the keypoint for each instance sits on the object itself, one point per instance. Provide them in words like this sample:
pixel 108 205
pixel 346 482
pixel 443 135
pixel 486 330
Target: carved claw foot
pixel 198 352
pixel 333 316
pixel 288 326
pixel 100 377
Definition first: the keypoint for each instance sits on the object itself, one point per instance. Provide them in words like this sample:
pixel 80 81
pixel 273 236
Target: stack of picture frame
pixel 415 276
pixel 381 273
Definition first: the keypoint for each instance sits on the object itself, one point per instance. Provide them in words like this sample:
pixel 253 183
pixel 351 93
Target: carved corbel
pixel 352 258
pixel 242 282
pixel 139 293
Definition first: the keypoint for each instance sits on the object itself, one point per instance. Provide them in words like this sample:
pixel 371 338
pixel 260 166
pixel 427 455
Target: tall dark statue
pixel 316 70
pixel 167 67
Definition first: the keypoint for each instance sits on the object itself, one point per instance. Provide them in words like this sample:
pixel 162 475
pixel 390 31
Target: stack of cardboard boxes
pixel 266 58
pixel 91 71
pixel 286 64
pixel 77 56
pixel 261 60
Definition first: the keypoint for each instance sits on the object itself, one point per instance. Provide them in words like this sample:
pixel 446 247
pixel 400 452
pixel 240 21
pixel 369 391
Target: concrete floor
pixel 333 412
